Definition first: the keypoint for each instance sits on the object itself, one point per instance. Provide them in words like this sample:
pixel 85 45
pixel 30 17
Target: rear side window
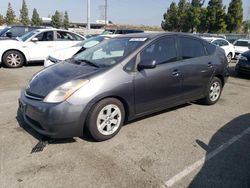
pixel 162 51
pixel 191 48
pixel 209 48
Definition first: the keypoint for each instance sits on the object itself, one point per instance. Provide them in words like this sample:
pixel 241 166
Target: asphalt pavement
pixel 191 145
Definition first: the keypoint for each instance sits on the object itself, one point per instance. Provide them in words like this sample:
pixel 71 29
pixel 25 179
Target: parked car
pixel 120 79
pixel 16 31
pixel 35 46
pixel 91 35
pixel 243 63
pixel 66 53
pixel 224 44
pixel 241 46
pixel 121 31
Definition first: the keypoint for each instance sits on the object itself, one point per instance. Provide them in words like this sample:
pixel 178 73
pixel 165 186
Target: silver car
pixel 122 79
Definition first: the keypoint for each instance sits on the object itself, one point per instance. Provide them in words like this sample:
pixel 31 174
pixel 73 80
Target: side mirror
pixel 9 34
pixel 34 39
pixel 147 64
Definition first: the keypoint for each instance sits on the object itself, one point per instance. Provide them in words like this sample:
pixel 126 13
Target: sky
pixel 134 12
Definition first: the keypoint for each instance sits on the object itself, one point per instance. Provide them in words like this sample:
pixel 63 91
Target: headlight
pixel 64 91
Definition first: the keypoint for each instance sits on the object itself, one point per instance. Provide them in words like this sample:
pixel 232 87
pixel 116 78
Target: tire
pixel 101 124
pixel 213 92
pixel 13 59
pixel 229 57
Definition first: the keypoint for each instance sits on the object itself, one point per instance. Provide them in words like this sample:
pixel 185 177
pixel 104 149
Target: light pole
pixel 88 15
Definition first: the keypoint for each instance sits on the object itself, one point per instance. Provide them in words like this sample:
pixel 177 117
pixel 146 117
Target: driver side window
pixel 46 36
pixel 162 51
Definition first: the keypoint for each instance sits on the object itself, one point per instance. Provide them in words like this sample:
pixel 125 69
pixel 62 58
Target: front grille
pixel 33 96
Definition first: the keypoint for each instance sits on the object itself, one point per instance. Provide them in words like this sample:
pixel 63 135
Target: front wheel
pixel 213 92
pixel 13 59
pixel 105 119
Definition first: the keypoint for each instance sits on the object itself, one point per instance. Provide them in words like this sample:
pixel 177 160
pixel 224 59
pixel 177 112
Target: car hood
pixel 50 78
pixel 65 53
pixel 241 49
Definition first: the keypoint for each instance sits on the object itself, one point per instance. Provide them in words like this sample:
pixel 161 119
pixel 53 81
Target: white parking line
pixel 200 162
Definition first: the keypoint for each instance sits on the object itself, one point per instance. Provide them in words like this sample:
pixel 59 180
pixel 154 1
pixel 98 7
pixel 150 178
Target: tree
pixel 202 27
pixel 246 27
pixel 10 15
pixel 2 21
pixel 216 16
pixel 195 14
pixel 66 20
pixel 234 16
pixel 24 14
pixel 56 20
pixel 35 20
pixel 182 16
pixel 170 21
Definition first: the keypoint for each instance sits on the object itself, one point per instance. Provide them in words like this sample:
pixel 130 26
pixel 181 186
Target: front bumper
pixel 61 120
pixel 243 69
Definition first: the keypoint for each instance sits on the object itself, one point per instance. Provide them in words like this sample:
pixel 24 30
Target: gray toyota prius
pixel 122 79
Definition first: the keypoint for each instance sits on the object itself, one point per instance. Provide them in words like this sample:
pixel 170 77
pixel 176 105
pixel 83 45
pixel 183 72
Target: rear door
pixel 197 67
pixel 159 87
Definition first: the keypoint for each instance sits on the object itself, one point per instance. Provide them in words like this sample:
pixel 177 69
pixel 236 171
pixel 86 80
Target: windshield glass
pixel 28 35
pixel 241 43
pixel 108 31
pixel 110 52
pixel 4 31
pixel 90 42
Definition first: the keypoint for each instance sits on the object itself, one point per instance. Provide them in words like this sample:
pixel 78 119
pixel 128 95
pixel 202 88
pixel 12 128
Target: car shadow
pixel 230 167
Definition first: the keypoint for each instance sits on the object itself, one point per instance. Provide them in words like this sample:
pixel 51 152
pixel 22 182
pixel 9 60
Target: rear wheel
pixel 213 92
pixel 105 119
pixel 13 59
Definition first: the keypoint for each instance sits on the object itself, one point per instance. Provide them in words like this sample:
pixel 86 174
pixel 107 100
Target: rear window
pixel 241 43
pixel 209 48
pixel 191 48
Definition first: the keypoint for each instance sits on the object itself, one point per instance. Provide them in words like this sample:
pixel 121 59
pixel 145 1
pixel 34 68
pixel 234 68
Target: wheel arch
pixel 221 79
pixel 25 58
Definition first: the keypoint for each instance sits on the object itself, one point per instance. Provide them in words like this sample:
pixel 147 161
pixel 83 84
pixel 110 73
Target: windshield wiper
pixel 87 62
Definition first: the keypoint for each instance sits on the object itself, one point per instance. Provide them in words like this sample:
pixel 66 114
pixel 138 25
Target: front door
pixel 159 87
pixel 39 50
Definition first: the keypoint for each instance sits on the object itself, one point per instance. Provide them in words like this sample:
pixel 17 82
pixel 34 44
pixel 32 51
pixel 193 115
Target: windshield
pixel 109 31
pixel 27 35
pixel 110 52
pixel 4 31
pixel 241 43
pixel 90 42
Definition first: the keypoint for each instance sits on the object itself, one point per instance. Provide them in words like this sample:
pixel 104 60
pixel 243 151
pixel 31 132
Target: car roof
pixel 246 40
pixel 53 29
pixel 156 35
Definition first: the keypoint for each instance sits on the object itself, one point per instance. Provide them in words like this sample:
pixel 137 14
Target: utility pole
pixel 106 12
pixel 88 15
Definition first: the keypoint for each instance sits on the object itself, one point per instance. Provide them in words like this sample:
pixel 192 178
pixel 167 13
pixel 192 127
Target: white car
pixel 35 46
pixel 224 44
pixel 66 53
pixel 241 46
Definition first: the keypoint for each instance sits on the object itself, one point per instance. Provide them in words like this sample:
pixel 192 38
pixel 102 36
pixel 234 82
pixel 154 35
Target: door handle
pixel 210 65
pixel 176 73
pixel 50 46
